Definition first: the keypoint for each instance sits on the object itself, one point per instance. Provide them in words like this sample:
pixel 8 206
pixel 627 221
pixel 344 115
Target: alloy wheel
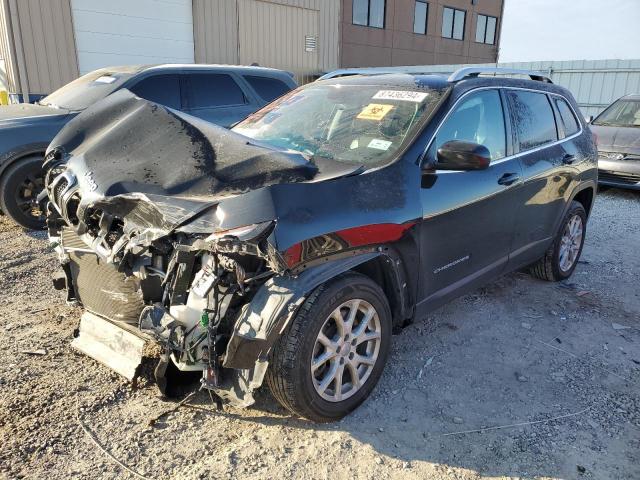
pixel 346 350
pixel 570 243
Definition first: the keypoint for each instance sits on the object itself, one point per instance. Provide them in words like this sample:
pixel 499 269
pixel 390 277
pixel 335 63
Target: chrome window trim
pixel 515 155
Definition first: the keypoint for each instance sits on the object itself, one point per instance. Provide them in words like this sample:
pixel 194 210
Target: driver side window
pixel 478 118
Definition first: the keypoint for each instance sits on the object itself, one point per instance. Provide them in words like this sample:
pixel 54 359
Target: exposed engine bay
pixel 189 293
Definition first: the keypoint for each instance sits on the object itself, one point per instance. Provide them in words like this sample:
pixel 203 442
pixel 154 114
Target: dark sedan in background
pixel 618 132
pixel 220 94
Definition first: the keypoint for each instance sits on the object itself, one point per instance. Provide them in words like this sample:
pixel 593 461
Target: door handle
pixel 508 179
pixel 568 159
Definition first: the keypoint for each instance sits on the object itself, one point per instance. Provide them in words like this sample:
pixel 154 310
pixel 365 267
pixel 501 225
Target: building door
pixel 279 36
pixel 124 32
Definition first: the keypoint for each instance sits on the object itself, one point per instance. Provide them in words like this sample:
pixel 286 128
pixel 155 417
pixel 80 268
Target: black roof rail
pixel 472 72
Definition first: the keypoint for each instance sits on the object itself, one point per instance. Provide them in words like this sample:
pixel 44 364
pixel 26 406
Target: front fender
pixel 262 321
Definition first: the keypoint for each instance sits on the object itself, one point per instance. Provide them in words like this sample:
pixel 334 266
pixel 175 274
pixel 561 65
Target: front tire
pixel 19 187
pixel 560 260
pixel 334 352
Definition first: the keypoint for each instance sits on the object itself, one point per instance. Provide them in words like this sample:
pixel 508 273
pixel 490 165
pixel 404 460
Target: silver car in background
pixel 618 135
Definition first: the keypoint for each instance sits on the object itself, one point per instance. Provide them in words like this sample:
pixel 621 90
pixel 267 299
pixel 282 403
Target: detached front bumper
pixel 624 173
pixel 114 344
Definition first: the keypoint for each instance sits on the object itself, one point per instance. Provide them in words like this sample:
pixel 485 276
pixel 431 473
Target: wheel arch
pixel 388 272
pixel 262 321
pixel 586 196
pixel 10 158
pixel 13 158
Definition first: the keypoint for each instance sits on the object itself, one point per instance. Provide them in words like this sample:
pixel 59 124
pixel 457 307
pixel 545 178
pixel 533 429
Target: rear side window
pixel 207 90
pixel 567 117
pixel 163 89
pixel 267 88
pixel 478 118
pixel 532 119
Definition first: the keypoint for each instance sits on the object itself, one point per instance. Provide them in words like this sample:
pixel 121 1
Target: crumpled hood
pixel 617 139
pixel 20 111
pixel 154 169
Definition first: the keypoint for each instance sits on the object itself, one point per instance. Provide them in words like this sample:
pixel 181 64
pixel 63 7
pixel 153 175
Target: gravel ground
pixel 545 376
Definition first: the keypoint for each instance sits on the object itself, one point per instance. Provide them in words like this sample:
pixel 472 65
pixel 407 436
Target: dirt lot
pixel 561 362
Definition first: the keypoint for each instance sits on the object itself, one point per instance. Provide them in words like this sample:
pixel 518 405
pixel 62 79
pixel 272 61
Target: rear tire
pixel 560 260
pixel 316 351
pixel 19 187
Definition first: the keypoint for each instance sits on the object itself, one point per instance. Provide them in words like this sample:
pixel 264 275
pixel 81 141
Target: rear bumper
pixel 619 173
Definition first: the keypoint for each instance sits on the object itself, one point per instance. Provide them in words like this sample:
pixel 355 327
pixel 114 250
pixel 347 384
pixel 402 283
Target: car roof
pixel 243 69
pixel 407 80
pixel 436 81
pixel 632 96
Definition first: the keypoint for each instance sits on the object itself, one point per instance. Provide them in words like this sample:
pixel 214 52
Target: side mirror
pixel 458 155
pixel 589 119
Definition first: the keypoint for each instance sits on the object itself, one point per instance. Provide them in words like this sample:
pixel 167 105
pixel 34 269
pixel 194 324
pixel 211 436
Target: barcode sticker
pixel 406 96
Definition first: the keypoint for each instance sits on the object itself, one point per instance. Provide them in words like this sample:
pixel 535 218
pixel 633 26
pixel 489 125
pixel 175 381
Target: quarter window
pixel 479 119
pixel 569 121
pixel 163 89
pixel 369 13
pixel 453 23
pixel 420 16
pixel 268 88
pixel 532 119
pixel 213 90
pixel 486 29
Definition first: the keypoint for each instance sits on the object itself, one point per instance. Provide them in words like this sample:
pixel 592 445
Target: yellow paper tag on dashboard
pixel 374 111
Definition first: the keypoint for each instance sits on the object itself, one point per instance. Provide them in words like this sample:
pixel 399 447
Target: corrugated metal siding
pixel 43 56
pixel 38 44
pixel 219 38
pixel 8 67
pixel 3 75
pixel 122 32
pixel 281 43
pixel 594 83
pixel 215 31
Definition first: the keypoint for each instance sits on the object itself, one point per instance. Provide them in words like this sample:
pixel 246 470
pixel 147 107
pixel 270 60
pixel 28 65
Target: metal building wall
pixel 37 45
pixel 219 37
pixel 594 83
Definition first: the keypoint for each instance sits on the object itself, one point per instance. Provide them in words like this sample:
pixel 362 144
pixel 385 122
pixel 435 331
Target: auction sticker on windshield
pixel 379 144
pixel 400 95
pixel 374 111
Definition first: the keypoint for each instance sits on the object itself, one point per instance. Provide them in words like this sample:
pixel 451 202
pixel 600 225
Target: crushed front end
pixel 150 252
pixel 184 291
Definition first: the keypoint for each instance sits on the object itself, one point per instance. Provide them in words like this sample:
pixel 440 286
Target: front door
pixel 468 216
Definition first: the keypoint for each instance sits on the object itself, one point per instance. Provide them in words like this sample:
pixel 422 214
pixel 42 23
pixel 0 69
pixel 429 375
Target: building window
pixel 369 13
pixel 453 23
pixel 486 29
pixel 421 13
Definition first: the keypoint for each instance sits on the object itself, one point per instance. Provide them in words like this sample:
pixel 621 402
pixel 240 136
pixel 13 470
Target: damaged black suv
pixel 289 248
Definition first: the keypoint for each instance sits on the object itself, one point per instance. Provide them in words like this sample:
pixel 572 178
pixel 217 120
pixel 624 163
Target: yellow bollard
pixel 4 97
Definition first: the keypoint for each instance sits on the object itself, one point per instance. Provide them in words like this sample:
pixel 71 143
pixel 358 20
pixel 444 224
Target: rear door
pixel 548 171
pixel 468 216
pixel 218 97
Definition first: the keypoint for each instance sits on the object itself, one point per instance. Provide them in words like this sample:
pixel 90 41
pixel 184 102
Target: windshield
pixel 86 90
pixel 623 113
pixel 362 124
